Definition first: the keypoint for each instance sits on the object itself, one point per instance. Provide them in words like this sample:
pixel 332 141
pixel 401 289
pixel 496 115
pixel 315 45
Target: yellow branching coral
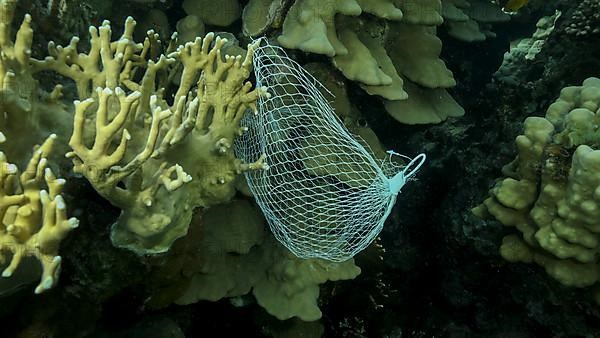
pixel 154 149
pixel 32 211
pixel 34 218
pixel 153 146
pixel 26 108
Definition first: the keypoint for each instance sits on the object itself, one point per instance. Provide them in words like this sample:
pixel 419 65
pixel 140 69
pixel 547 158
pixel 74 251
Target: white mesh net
pixel 323 194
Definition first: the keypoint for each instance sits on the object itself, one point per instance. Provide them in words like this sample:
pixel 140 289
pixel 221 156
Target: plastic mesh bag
pixel 323 194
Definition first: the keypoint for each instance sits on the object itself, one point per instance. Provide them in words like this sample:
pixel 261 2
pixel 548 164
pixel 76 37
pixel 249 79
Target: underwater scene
pixel 299 168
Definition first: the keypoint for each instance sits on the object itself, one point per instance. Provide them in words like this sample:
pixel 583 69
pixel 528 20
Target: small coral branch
pixel 102 66
pixel 221 87
pixel 34 218
pixel 104 164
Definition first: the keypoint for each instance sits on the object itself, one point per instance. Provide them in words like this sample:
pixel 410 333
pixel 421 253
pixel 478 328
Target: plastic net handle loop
pixel 398 181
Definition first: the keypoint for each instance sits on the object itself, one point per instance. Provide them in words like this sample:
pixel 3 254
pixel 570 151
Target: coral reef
pixel 552 191
pixel 151 130
pixel 466 155
pixel 33 211
pixel 150 115
pixel 234 254
pixel 585 19
pixel 528 48
pixel 412 80
pixel 471 20
pixel 29 110
pixel 133 144
pixel 361 48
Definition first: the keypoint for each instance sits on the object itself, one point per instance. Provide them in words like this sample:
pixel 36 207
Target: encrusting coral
pixel 213 12
pixel 552 191
pixel 470 20
pixel 527 48
pixel 34 217
pixel 231 254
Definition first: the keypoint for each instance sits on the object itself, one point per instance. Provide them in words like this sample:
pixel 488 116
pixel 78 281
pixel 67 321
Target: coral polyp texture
pixel 551 193
pixel 34 215
pixel 585 19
